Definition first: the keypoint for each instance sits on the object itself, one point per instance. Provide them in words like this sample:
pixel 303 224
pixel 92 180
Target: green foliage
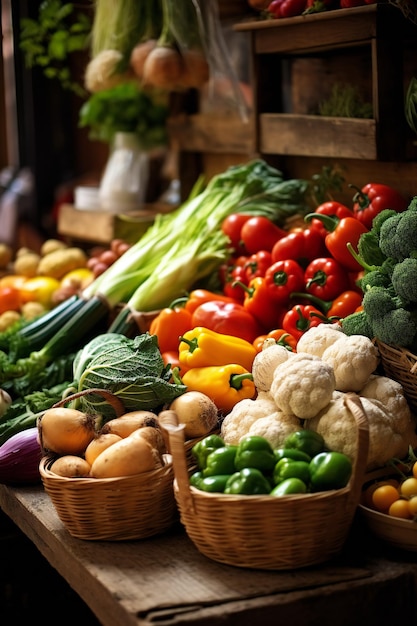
pixel 125 108
pixel 345 101
pixel 49 41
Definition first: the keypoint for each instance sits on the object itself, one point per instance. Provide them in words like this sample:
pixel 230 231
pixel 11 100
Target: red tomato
pixel 259 233
pixel 10 299
pixel 231 226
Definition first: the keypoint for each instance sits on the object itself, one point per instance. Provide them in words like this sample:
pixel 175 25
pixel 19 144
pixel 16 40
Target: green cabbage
pixel 131 369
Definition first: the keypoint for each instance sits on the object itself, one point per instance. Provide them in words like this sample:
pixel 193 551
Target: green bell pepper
pixel 195 479
pixel 202 449
pixel 330 470
pixel 307 441
pixel 291 453
pixel 213 484
pixel 289 486
pixel 249 481
pixel 289 468
pixel 221 461
pixel 254 451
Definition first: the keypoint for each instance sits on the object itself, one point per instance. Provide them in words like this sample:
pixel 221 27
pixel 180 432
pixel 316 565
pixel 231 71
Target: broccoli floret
pixel 357 324
pixel 377 301
pixel 375 278
pixel 397 327
pixel 398 235
pixel 404 279
pixel 388 266
pixel 380 218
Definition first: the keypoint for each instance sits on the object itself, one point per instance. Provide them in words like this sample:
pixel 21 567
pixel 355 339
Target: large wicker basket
pixel 401 365
pixel 114 509
pixel 265 532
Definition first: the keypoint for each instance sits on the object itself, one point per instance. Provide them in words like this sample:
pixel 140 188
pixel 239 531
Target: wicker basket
pixel 265 532
pixel 116 509
pixel 401 365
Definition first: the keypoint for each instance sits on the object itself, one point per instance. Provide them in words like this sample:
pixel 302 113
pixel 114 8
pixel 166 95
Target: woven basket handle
pixel 168 421
pixel 115 402
pixel 353 403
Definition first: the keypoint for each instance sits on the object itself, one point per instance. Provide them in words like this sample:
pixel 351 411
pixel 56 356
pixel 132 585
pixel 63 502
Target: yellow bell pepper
pixel 201 347
pixel 226 385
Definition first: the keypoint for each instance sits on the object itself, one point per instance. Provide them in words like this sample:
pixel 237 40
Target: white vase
pixel 125 178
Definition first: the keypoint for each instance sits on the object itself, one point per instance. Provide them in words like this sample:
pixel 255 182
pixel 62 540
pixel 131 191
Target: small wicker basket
pixel 265 532
pixel 113 509
pixel 401 365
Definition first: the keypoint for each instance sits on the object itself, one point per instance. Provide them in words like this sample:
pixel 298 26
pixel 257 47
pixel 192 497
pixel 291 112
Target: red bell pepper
pixel 259 303
pixel 339 234
pixel 374 198
pixel 281 338
pixel 198 297
pixel 232 287
pixel 325 278
pixel 282 278
pixel 286 8
pixel 228 318
pixel 257 264
pixel 302 246
pixel 300 318
pixel 344 304
pixel 332 208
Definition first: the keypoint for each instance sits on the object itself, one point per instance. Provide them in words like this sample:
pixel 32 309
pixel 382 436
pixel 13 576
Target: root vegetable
pixel 66 431
pixel 197 411
pixel 59 262
pixel 196 70
pixel 70 466
pixel 153 436
pixel 98 445
pixel 129 422
pixel 163 68
pixel 130 456
pixel 139 55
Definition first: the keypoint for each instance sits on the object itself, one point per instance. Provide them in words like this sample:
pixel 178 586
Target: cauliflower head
pixel 303 385
pixel 337 426
pixel 275 427
pixel 237 423
pixel 353 359
pixel 265 363
pixel 317 338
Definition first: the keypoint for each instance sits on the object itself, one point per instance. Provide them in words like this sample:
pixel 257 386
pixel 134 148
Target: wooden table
pixel 166 581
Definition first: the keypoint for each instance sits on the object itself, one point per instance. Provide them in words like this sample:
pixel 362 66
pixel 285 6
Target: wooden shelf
pixel 376 32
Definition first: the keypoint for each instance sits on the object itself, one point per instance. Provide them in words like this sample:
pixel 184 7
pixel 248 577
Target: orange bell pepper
pixel 169 325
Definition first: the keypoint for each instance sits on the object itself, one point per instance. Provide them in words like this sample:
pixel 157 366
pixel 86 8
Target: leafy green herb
pixel 345 101
pixel 411 105
pixel 49 41
pixel 126 108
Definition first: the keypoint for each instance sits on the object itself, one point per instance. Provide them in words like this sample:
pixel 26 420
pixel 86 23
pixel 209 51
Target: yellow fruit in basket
pixel 400 508
pixel 412 505
pixel 39 289
pixel 408 487
pixel 384 496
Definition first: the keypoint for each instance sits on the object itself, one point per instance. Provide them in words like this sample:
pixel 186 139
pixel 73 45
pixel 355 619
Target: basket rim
pixel 46 474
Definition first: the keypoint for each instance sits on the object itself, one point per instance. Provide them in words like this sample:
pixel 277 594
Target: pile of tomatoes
pixel 394 496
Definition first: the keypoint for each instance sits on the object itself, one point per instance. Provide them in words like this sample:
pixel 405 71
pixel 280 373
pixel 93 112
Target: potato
pixel 59 262
pixel 70 466
pixel 130 456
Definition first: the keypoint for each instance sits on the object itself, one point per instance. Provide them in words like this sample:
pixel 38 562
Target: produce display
pixel 258 300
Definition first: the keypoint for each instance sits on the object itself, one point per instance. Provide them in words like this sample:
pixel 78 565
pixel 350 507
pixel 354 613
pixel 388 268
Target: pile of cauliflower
pixel 306 390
